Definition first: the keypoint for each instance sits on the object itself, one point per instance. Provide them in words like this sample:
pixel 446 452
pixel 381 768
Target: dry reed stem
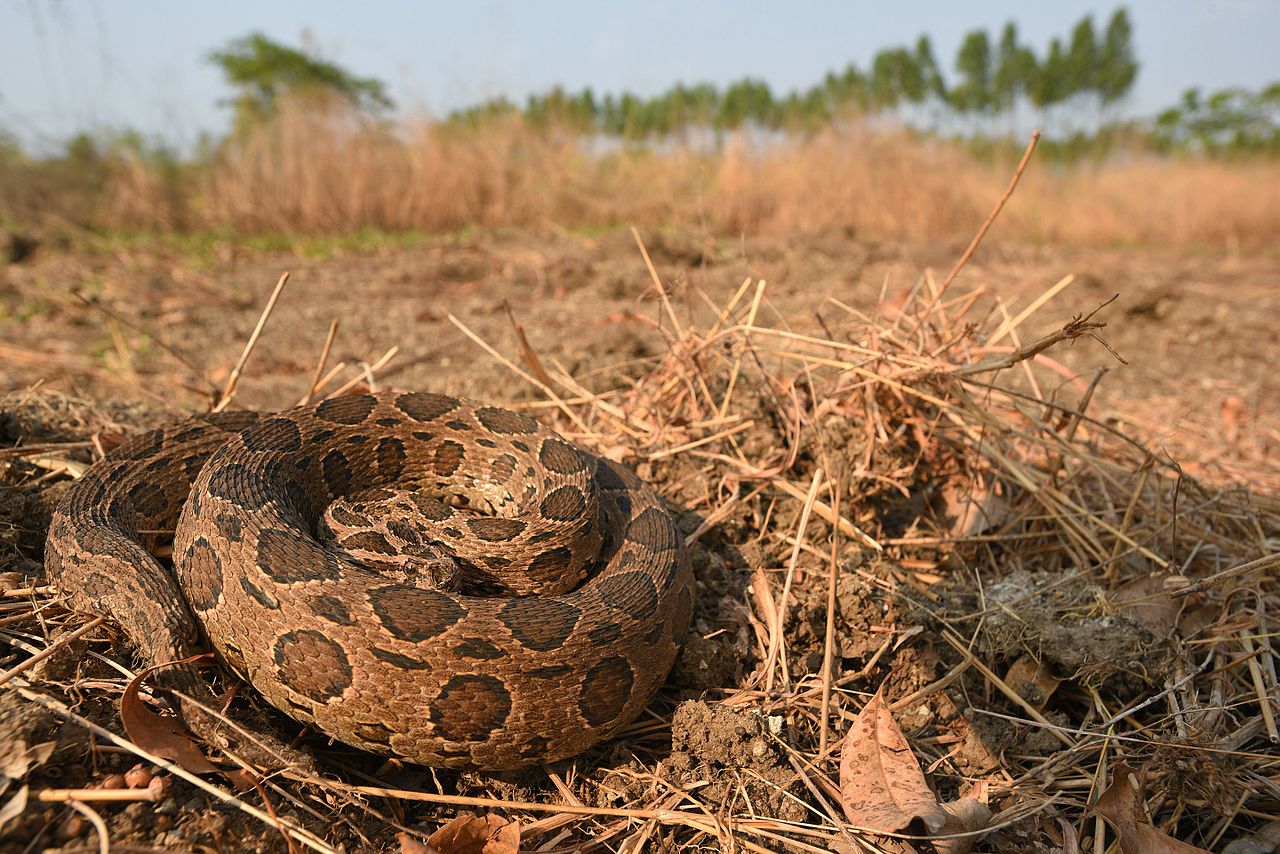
pixel 991 217
pixel 101 795
pixel 780 614
pixel 319 374
pixel 828 638
pixel 228 392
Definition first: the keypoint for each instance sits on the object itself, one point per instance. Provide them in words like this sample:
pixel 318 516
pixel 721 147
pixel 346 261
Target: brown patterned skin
pixel 388 658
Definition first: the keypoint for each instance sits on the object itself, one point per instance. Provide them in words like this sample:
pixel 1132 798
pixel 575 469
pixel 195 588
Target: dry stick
pixel 51 649
pixel 230 390
pixel 58 796
pixel 526 350
pixel 326 379
pixel 1077 327
pixel 746 329
pixel 1012 324
pixel 780 616
pixel 982 232
pixel 1265 562
pixel 99 826
pixel 324 358
pixel 824 512
pixel 675 322
pixel 664 816
pixel 1260 689
pixel 657 283
pixel 303 835
pixel 195 372
pixel 829 639
pixel 368 371
pixel 523 374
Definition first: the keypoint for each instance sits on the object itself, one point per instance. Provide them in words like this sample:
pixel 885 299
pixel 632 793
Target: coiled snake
pixel 401 570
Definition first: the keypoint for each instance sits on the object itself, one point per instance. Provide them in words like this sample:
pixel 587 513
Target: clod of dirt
pixel 739 754
pixel 1059 621
pixel 860 607
pixel 707 663
pixel 16 247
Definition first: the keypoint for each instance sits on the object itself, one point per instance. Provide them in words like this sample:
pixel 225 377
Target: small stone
pixel 160 787
pixel 113 781
pixel 138 777
pixel 73 828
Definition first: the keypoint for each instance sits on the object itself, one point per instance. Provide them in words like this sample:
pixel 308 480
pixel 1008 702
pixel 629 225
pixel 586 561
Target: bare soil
pixel 1196 328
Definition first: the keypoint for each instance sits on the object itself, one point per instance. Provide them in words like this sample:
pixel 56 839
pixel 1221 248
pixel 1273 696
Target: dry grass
pixel 329 172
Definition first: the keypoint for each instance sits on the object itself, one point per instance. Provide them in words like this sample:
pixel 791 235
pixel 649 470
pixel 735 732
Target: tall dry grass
pixel 323 171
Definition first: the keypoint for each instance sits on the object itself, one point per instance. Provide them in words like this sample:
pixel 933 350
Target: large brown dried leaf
pixel 468 834
pixel 881 785
pixel 1122 806
pixel 164 737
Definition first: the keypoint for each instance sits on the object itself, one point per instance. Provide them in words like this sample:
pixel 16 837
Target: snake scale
pixel 416 575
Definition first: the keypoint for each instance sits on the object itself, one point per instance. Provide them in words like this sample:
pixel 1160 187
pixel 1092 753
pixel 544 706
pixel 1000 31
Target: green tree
pixel 1229 122
pixel 262 71
pixel 1117 66
pixel 1049 86
pixel 896 77
pixel 1015 69
pixel 747 100
pixel 1082 60
pixel 848 90
pixel 927 68
pixel 974 92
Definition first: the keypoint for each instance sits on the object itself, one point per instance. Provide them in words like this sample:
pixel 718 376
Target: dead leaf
pixel 21 758
pixel 469 834
pixel 14 807
pixel 1147 601
pixel 881 785
pixel 409 845
pixel 964 815
pixel 972 508
pixel 1070 842
pixel 762 596
pixel 1122 805
pixel 1033 680
pixel 161 736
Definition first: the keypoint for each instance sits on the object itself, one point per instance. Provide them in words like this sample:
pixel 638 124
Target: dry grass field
pixel 333 173
pixel 1003 507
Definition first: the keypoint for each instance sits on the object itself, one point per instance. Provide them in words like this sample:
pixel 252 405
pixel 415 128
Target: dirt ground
pixel 109 339
pixel 1196 328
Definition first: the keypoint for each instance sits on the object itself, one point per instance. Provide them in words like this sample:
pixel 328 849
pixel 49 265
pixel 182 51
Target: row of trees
pixel 1077 79
pixel 1227 122
pixel 992 77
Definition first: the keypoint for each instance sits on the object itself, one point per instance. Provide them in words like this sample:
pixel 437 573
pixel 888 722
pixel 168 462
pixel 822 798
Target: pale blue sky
pixel 100 64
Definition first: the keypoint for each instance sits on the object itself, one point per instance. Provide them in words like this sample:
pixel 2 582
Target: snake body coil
pixel 367 625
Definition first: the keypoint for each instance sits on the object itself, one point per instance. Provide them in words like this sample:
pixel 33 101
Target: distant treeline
pixel 1073 86
pixel 993 77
